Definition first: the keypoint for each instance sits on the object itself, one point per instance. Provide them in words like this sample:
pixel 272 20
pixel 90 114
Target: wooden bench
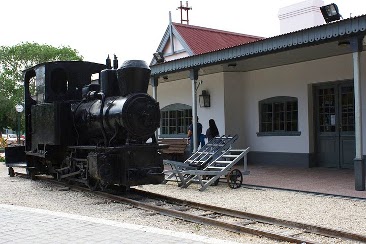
pixel 176 150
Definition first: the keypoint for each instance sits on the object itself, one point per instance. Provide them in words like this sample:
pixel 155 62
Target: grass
pixel 2 150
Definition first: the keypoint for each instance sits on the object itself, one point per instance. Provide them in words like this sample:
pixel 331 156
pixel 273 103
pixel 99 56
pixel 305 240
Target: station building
pixel 295 99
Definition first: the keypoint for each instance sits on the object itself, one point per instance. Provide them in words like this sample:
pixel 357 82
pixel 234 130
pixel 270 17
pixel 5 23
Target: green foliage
pixel 2 142
pixel 15 59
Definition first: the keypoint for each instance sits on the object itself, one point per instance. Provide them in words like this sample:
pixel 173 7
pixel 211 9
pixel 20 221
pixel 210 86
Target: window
pixel 278 116
pixel 175 119
pixel 59 82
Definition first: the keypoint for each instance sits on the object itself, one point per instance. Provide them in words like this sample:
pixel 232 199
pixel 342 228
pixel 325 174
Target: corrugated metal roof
pixel 202 40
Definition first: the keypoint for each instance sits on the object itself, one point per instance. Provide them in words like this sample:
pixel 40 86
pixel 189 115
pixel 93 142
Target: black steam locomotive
pixel 98 132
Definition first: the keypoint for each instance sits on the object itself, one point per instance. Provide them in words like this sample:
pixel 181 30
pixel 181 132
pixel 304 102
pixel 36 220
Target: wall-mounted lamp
pixel 165 77
pixel 231 65
pixel 159 57
pixel 204 99
pixel 330 12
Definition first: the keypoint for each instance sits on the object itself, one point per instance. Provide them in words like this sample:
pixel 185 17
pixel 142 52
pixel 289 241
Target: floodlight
pixel 330 12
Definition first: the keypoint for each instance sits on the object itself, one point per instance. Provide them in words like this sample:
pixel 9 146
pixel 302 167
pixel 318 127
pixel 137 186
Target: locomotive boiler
pixel 98 132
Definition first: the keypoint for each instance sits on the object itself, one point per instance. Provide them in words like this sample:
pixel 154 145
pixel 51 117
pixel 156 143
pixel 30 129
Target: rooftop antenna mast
pixel 186 8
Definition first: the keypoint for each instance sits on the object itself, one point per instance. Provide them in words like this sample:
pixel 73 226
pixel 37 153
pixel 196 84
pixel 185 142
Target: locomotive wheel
pixel 234 179
pixel 103 186
pixel 11 172
pixel 93 184
pixel 31 174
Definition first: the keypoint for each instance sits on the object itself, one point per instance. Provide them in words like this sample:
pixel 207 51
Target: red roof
pixel 204 40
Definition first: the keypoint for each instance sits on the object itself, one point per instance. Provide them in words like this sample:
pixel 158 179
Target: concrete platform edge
pixel 188 236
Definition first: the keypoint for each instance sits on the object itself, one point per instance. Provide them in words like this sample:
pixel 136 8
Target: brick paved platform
pixel 28 225
pixel 318 180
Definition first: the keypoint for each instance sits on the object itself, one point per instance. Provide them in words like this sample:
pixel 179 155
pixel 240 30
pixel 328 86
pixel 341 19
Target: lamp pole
pixel 19 108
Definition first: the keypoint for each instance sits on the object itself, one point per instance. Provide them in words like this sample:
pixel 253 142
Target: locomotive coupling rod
pixel 71 174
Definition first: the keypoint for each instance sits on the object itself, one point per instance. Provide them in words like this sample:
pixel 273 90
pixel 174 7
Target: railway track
pixel 228 219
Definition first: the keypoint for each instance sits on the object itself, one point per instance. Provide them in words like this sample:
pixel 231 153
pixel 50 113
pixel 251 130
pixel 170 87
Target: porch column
pixel 154 81
pixel 359 165
pixel 193 75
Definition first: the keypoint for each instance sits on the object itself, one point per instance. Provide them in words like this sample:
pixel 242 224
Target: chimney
pixel 301 15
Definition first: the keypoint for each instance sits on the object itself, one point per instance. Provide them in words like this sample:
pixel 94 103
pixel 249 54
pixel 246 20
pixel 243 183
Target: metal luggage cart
pixel 222 166
pixel 199 159
pixel 211 151
pixel 216 154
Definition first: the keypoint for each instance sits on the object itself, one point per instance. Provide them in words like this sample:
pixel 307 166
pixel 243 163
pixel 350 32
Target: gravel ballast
pixel 332 212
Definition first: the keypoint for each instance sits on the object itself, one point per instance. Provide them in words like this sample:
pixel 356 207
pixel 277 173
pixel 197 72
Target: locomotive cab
pixel 48 89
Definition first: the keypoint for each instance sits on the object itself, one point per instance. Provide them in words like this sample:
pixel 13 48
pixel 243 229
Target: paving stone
pixel 28 225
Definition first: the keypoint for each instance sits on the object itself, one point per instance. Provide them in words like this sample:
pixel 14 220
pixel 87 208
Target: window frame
pixel 186 120
pixel 278 99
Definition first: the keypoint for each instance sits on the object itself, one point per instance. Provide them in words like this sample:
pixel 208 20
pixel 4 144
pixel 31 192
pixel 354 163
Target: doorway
pixel 334 110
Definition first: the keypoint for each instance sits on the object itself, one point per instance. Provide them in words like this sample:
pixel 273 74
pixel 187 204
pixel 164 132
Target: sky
pixel 133 29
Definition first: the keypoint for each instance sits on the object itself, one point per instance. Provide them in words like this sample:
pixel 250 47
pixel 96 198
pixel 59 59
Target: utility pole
pixel 186 8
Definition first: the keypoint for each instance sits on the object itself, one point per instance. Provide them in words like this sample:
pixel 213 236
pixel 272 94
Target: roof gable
pixel 203 40
pixel 198 40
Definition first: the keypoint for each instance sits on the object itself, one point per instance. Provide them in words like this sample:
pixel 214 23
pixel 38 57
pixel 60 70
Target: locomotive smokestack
pixel 108 62
pixel 115 62
pixel 133 77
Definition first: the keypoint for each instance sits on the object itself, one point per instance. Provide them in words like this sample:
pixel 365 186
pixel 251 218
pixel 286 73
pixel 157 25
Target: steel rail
pixel 260 218
pixel 209 221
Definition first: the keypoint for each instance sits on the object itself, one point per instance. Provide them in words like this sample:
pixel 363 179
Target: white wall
pixel 289 80
pixel 214 85
pixel 177 45
pixel 363 99
pixel 234 102
pixel 176 56
pixel 180 91
pixel 168 49
pixel 235 112
pixel 301 15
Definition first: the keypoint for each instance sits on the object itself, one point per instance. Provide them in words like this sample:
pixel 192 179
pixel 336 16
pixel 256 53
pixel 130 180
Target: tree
pixel 15 59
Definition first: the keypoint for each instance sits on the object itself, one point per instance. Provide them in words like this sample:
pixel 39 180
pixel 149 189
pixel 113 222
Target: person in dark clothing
pixel 212 130
pixel 190 134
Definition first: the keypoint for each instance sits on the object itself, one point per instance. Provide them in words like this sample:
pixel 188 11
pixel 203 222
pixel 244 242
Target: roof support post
pixel 359 164
pixel 193 75
pixel 154 81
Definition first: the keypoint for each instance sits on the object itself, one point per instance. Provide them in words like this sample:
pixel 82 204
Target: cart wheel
pixel 234 179
pixel 11 172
